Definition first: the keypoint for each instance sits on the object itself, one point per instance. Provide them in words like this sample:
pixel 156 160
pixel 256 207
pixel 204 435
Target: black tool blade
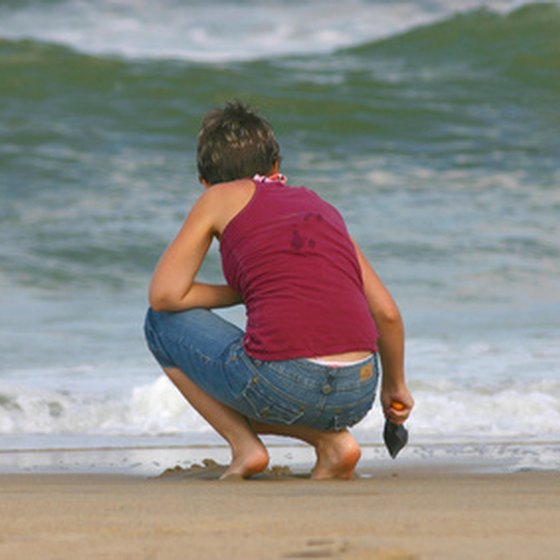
pixel 395 436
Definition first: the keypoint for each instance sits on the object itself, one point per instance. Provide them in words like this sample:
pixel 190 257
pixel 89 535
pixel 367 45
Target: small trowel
pixel 395 435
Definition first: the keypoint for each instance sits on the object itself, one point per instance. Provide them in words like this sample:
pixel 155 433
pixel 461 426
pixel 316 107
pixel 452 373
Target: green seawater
pixel 97 153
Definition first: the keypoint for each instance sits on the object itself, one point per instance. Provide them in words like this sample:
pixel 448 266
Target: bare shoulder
pixel 226 200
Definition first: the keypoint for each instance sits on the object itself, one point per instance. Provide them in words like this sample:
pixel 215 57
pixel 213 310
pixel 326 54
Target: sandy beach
pixel 436 513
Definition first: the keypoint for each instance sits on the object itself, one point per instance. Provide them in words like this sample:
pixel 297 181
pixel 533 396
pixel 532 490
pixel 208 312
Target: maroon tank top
pixel 288 253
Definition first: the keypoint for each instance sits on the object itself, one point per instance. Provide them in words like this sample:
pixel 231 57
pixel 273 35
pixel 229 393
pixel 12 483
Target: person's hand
pixel 397 403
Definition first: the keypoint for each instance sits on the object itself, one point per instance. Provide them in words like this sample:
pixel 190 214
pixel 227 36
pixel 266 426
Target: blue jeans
pixel 209 350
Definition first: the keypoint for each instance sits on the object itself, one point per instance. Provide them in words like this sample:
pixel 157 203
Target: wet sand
pixel 430 513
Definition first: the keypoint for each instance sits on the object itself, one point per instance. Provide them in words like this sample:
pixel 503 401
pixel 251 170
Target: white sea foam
pixel 506 429
pixel 482 391
pixel 443 414
pixel 485 402
pixel 220 31
pixel 154 409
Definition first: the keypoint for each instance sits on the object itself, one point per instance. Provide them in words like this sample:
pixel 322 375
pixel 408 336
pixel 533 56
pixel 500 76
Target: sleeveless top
pixel 288 253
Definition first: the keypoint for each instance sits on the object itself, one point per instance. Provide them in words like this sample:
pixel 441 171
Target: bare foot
pixel 337 456
pixel 246 462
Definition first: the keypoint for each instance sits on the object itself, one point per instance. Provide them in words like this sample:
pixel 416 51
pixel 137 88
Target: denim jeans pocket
pixel 269 405
pixel 348 416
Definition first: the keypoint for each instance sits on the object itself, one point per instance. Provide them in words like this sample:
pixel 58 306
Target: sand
pixel 413 513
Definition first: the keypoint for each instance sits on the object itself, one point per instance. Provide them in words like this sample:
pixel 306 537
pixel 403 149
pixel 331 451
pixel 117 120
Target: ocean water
pixel 433 126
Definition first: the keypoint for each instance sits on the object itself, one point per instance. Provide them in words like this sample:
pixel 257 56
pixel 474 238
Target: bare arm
pixel 391 342
pixel 173 286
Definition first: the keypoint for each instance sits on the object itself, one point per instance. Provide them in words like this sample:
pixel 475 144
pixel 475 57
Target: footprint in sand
pixel 328 548
pixel 319 548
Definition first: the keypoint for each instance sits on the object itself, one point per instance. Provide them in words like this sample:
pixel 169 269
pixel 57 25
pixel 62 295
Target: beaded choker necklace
pixel 276 178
